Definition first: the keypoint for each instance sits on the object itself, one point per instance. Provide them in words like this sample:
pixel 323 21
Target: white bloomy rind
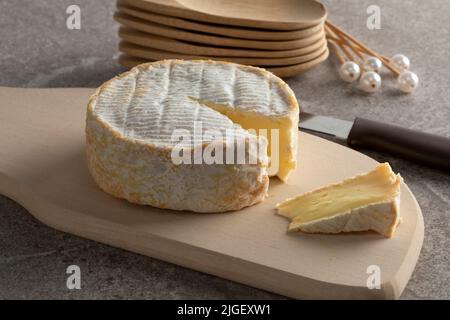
pixel 130 120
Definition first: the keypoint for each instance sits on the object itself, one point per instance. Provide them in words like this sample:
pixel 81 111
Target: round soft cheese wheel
pixel 152 139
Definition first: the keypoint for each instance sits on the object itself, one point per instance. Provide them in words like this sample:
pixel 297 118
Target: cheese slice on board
pixel 131 119
pixel 365 202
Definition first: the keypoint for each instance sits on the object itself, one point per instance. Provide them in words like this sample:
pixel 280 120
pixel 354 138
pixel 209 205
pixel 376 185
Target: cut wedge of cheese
pixel 132 118
pixel 281 133
pixel 365 202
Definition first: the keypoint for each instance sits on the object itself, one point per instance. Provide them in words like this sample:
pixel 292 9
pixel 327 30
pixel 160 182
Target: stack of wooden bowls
pixel 286 37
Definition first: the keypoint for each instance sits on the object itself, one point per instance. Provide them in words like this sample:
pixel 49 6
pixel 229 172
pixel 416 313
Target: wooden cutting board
pixel 130 61
pixel 43 167
pixel 179 46
pixel 265 14
pixel 156 54
pixel 197 37
pixel 228 31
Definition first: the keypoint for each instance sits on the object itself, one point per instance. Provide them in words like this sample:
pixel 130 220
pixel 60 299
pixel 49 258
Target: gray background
pixel 36 50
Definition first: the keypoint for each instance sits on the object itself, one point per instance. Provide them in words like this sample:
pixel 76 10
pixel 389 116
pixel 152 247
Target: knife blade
pixel 424 148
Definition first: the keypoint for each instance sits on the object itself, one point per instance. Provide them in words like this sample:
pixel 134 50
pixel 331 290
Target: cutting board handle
pixel 425 148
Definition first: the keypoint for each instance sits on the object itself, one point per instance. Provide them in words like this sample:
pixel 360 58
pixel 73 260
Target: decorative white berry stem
pixel 343 44
pixel 339 43
pixel 371 62
pixel 357 46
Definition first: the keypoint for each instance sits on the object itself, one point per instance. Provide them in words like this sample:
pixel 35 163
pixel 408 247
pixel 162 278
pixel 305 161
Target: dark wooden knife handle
pixel 416 146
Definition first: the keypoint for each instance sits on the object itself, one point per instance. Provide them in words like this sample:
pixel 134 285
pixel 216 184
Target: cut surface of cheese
pixel 280 131
pixel 365 202
pixel 131 120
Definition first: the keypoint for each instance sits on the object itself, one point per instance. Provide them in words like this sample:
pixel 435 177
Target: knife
pixel 420 147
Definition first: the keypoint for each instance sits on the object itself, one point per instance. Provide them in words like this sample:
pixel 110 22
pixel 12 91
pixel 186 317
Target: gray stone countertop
pixel 37 50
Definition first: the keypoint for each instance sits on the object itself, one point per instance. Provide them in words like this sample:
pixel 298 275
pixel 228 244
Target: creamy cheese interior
pixel 377 186
pixel 281 142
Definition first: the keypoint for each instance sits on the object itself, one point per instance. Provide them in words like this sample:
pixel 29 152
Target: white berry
pixel 349 71
pixel 408 81
pixel 370 82
pixel 372 64
pixel 401 62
